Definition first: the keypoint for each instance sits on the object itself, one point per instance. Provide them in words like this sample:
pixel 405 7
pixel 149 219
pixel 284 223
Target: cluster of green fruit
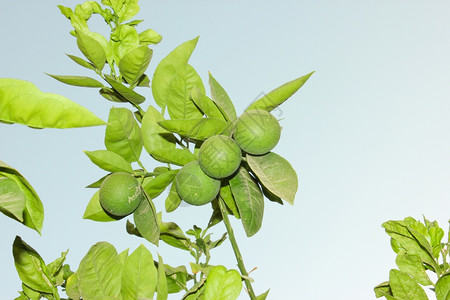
pixel 255 132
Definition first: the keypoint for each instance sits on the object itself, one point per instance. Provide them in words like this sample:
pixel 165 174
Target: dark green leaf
pixel 199 129
pixel 227 196
pixel 22 102
pixel 78 81
pixel 276 97
pixel 222 100
pixel 109 161
pixel 249 200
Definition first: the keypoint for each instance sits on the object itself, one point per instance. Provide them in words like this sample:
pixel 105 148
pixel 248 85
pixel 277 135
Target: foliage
pixel 172 133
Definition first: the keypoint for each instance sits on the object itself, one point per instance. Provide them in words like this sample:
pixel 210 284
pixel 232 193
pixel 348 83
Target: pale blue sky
pixel 368 134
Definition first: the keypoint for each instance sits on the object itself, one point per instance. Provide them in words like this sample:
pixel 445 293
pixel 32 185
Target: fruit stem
pixel 237 253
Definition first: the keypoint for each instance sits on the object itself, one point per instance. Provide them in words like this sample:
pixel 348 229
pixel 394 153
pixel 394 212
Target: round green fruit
pixel 194 186
pixel 219 156
pixel 257 131
pixel 120 194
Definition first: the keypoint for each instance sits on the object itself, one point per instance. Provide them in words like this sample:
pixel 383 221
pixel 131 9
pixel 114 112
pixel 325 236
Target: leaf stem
pixel 237 253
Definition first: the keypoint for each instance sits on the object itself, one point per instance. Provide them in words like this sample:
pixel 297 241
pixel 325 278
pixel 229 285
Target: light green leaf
pixel 384 290
pixel 146 221
pixel 276 174
pixel 100 273
pixel 81 62
pixel 30 293
pixel 72 288
pixel 82 81
pixel 162 281
pixel 109 161
pixel 199 129
pixel 22 102
pixel 124 39
pixel 154 136
pixel 139 275
pixel 167 68
pixel 404 287
pixel 173 200
pixel 124 91
pixel 443 288
pixel 172 234
pixel 95 212
pixel 123 134
pixel 55 266
pixel 222 100
pixel 179 103
pixel 149 36
pixel 263 296
pixel 158 184
pixel 12 200
pixel 206 104
pixel 133 65
pixel 112 95
pixel 276 97
pixel 412 265
pixel 91 49
pixel 31 267
pixel 222 284
pixel 249 200
pixel 178 157
pixel 227 196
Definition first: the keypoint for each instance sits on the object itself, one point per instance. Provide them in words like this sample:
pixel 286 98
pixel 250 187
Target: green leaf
pixel 55 266
pixel 276 97
pixel 81 62
pixel 149 36
pixel 404 287
pixel 95 212
pixel 167 68
pixel 146 221
pixel 249 200
pixel 206 104
pixel 112 95
pixel 178 157
pixel 199 129
pixel 154 136
pixel 109 161
pixel 222 284
pixel 222 100
pixel 157 185
pixel 72 288
pixel 172 234
pixel 22 102
pixel 100 273
pixel 124 91
pixel 33 213
pixel 91 49
pixel 173 200
pixel 123 134
pixel 139 275
pixel 384 290
pixel 162 281
pixel 31 267
pixel 443 288
pixel 227 196
pixel 276 174
pixel 412 265
pixel 78 81
pixel 263 296
pixel 179 103
pixel 123 40
pixel 133 65
pixel 30 293
pixel 128 9
pixel 12 200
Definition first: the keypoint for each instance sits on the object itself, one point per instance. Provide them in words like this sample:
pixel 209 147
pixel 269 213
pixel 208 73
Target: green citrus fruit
pixel 219 156
pixel 120 194
pixel 257 132
pixel 194 186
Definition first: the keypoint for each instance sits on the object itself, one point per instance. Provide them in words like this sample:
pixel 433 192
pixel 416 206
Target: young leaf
pixel 249 200
pixel 157 185
pixel 179 104
pixel 22 102
pixel 162 281
pixel 109 161
pixel 91 49
pixel 100 273
pixel 276 174
pixel 139 275
pixel 404 287
pixel 173 200
pixel 149 36
pixel 167 68
pixel 443 288
pixel 123 134
pixel 199 129
pixel 133 65
pixel 384 290
pixel 95 212
pixel 55 266
pixel 222 284
pixel 31 267
pixel 206 104
pixel 412 265
pixel 126 9
pixel 154 136
pixel 146 221
pixel 222 100
pixel 124 91
pixel 123 40
pixel 82 81
pixel 276 97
